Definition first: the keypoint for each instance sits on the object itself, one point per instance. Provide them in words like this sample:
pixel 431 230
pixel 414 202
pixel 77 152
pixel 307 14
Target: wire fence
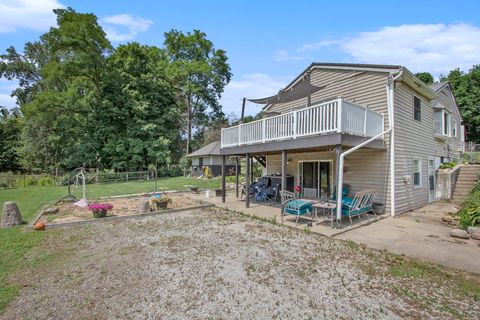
pixel 10 180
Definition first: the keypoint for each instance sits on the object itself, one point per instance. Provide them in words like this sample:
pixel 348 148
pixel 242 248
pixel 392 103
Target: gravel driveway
pixel 209 264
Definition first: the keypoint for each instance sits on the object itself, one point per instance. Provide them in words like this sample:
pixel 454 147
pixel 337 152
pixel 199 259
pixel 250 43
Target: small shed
pixel 209 156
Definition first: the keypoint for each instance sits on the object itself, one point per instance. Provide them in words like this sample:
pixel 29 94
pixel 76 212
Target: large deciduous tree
pixel 60 79
pixel 200 73
pixel 466 88
pixel 10 126
pixel 136 123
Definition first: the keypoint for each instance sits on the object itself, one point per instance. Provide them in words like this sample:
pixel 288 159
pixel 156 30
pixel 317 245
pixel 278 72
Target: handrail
pixel 326 117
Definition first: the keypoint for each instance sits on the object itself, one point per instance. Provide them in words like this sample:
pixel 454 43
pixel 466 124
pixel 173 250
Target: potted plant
pixel 159 203
pixel 100 209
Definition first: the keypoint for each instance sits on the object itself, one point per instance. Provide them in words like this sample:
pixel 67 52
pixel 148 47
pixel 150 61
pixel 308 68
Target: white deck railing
pixel 322 118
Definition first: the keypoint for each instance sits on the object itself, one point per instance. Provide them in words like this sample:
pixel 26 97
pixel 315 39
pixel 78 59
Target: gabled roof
pixel 438 86
pixel 297 86
pixel 211 149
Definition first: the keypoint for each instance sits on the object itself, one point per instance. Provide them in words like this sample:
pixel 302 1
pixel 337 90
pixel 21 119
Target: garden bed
pixel 124 208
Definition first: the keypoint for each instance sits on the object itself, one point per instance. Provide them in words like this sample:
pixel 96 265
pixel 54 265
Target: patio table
pixel 326 206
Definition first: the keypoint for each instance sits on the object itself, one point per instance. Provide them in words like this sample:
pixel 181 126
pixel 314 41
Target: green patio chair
pixel 293 206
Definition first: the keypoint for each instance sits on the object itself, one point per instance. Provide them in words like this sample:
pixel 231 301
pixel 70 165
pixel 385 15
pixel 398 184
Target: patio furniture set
pixel 356 206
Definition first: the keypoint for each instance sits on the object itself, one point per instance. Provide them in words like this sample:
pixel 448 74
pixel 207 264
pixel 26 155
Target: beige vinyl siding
pixel 413 139
pixel 445 98
pixel 360 87
pixel 365 169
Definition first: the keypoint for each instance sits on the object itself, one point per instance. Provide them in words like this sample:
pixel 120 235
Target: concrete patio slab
pixel 421 234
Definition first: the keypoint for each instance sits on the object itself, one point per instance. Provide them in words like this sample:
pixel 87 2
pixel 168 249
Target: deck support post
pixel 237 166
pixel 223 178
pixel 284 178
pixel 284 170
pixel 247 181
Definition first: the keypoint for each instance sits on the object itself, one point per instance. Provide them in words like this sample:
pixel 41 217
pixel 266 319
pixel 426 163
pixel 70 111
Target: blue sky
pixel 270 42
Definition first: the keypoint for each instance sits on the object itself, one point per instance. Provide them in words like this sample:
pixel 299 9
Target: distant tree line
pixel 83 102
pixel 466 89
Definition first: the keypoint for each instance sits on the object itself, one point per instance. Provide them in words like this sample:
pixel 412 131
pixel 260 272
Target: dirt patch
pixel 205 264
pixel 125 206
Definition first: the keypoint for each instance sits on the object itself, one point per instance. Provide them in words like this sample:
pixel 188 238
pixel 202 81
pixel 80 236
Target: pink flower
pixel 100 206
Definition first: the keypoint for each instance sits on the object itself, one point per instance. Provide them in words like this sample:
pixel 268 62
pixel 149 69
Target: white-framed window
pixel 443 123
pixel 454 128
pixel 417 173
pixel 417 108
pixel 446 123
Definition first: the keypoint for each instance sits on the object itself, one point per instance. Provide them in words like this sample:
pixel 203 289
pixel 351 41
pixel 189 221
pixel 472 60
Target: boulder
pixel 474 232
pixel 447 218
pixel 459 233
pixel 144 206
pixel 11 215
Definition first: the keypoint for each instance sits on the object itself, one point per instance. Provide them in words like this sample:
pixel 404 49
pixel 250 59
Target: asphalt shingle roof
pixel 211 149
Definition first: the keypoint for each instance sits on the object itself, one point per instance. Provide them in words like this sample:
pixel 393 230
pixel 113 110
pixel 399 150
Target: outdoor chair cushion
pixel 298 207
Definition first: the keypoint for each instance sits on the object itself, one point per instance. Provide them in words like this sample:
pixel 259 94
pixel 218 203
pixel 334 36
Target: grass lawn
pixel 16 242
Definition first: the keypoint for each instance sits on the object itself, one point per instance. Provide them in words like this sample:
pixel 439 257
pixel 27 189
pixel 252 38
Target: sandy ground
pixel 121 207
pixel 208 264
pixel 422 234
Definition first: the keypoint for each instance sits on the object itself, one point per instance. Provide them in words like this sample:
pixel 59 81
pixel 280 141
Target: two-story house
pixel 374 127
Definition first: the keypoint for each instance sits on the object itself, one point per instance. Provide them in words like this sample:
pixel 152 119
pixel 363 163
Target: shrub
pixel 45 181
pixel 470 213
pixel 448 165
pixel 470 216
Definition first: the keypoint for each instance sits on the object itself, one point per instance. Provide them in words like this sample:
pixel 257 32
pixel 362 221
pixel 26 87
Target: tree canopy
pixel 84 102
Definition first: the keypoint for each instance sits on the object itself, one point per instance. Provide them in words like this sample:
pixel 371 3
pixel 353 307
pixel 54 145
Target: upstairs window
pixel 417 109
pixel 454 128
pixel 417 172
pixel 444 125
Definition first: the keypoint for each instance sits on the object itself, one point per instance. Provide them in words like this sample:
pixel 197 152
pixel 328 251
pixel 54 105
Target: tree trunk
pixel 189 123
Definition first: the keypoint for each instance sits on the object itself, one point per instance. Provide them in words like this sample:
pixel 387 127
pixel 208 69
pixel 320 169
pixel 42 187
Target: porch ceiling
pixel 312 143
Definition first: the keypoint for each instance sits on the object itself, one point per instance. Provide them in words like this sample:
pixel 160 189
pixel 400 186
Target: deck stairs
pixel 467 178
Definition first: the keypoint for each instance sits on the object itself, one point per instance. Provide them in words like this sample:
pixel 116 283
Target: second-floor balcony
pixel 335 116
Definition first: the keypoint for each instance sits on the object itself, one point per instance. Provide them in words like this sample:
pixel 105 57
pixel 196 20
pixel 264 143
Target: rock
pixel 11 215
pixel 144 206
pixel 48 211
pixel 459 233
pixel 474 232
pixel 447 218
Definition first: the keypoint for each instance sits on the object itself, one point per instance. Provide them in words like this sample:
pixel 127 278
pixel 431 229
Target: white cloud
pixel 436 48
pixel 27 14
pixel 318 45
pixel 258 85
pixel 283 55
pixel 123 27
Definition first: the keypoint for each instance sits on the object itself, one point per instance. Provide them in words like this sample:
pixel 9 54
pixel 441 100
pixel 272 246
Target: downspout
pixel 390 110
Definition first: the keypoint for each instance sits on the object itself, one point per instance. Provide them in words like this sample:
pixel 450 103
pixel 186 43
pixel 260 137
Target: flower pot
pixel 162 205
pixel 99 213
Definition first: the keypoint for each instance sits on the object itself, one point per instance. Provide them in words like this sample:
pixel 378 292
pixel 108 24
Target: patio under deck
pixel 272 212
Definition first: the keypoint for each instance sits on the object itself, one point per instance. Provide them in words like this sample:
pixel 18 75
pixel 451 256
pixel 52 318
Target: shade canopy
pixel 300 90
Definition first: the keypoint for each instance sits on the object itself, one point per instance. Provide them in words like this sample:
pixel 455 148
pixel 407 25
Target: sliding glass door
pixel 315 178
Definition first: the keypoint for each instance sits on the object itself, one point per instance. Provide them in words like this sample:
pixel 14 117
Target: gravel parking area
pixel 210 264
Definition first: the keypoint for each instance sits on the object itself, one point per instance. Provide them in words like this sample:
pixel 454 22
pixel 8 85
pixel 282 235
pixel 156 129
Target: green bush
pixel 45 181
pixel 448 165
pixel 27 181
pixel 470 213
pixel 470 217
